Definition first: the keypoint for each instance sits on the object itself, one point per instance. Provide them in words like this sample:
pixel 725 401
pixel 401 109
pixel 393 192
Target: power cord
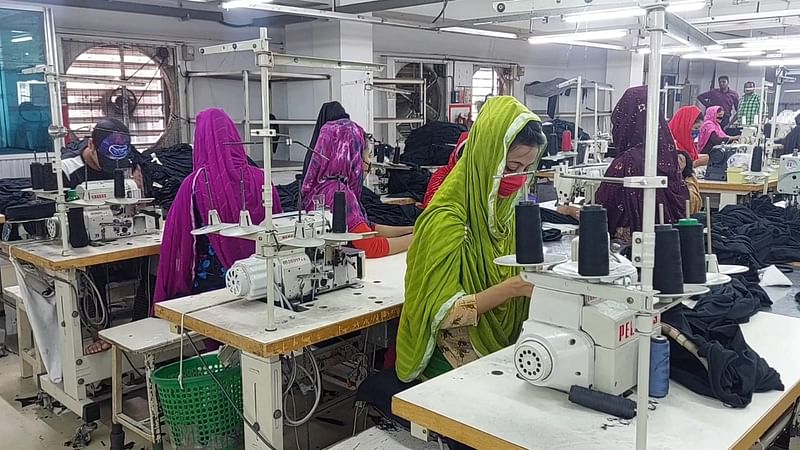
pixel 255 428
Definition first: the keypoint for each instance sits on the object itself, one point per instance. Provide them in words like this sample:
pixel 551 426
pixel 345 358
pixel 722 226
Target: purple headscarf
pixel 710 126
pixel 624 205
pixel 342 143
pixel 218 153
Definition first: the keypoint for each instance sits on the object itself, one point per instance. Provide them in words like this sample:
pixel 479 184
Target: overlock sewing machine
pixel 571 190
pixel 307 263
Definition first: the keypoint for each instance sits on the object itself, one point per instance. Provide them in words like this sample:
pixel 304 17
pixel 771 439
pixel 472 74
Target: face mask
pixel 749 91
pixel 510 185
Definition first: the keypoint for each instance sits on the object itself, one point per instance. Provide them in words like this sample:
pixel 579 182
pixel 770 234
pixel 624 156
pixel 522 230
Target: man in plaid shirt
pixel 750 106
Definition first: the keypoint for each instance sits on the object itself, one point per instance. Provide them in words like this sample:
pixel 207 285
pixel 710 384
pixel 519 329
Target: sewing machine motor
pixel 789 175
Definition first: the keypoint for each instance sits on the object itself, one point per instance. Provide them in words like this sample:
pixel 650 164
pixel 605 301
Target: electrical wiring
pixel 92 301
pixel 317 380
pixel 252 427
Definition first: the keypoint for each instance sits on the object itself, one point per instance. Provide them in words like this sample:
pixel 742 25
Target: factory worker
pixel 625 205
pixel 191 264
pixel 95 158
pixel 686 121
pixel 458 303
pixel 339 161
pixel 711 132
pixel 329 112
pixel 724 98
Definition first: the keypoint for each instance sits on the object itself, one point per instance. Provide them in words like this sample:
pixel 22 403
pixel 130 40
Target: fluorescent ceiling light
pixel 594 45
pixel 573 37
pixel 775 62
pixel 733 52
pixel 773 43
pixel 708 57
pixel 233 4
pixel 667 50
pixel 480 32
pixel 747 17
pixel 627 13
pixel 22 39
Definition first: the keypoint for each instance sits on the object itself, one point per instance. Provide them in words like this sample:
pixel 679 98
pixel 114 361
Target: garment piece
pixel 225 166
pixel 749 109
pixel 439 176
pixel 695 199
pixel 735 371
pixel 374 247
pixel 453 339
pixel 728 101
pixel 792 140
pixel 12 192
pixel 681 127
pixel 625 205
pixel 163 171
pixel 456 239
pixel 431 144
pixel 337 165
pixel 329 112
pixel 41 306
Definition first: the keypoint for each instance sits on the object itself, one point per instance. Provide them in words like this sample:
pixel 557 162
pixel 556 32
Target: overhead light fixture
pixel 732 52
pixel 480 32
pixel 773 43
pixel 566 38
pixel 667 50
pixel 770 62
pixel 595 45
pixel 748 17
pixel 627 13
pixel 708 57
pixel 22 39
pixel 233 4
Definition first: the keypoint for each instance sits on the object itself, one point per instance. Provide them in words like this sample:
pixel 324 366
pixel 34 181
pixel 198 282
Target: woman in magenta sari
pixel 338 164
pixel 191 264
pixel 624 205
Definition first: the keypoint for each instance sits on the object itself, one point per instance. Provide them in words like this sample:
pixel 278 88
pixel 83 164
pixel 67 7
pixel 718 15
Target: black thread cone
pixel 668 271
pixel 36 175
pixel 119 183
pixel 339 212
pixel 593 242
pixel 693 257
pixel 758 159
pixel 529 233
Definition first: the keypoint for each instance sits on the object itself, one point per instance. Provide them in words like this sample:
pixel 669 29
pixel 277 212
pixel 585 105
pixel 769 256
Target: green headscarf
pixel 456 240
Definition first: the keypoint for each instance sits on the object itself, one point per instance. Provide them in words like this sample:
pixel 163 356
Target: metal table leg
pixel 263 401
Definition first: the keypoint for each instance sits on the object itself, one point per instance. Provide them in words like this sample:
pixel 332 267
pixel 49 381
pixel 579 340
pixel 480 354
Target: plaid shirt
pixel 749 109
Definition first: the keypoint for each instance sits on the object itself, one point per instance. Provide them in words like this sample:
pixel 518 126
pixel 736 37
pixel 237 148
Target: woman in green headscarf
pixel 459 304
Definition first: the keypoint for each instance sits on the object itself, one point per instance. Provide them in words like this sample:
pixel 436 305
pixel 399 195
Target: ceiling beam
pixel 140 8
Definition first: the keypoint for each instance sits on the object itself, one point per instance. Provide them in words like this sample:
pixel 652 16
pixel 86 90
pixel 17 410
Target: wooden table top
pixel 47 254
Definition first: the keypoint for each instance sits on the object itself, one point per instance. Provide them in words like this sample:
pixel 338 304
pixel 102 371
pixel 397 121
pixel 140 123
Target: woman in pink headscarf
pixel 191 264
pixel 338 164
pixel 711 132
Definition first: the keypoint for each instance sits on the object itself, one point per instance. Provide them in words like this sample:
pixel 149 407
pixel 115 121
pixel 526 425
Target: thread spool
pixel 529 233
pixel 552 144
pixel 668 271
pixel 117 437
pixel 36 175
pixel 566 141
pixel 621 407
pixel 659 366
pixel 693 258
pixel 49 181
pixel 339 213
pixel 119 183
pixel 758 159
pixel 77 228
pixel 593 243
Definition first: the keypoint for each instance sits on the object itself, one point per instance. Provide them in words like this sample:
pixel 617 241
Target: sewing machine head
pixel 571 191
pixel 718 156
pixel 300 273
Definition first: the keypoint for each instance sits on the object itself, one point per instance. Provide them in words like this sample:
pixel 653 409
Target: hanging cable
pixel 317 380
pixel 93 310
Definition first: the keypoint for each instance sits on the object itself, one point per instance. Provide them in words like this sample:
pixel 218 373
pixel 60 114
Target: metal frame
pixel 261 377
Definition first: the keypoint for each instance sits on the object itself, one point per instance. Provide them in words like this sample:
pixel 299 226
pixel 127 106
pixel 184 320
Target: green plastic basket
pixel 198 414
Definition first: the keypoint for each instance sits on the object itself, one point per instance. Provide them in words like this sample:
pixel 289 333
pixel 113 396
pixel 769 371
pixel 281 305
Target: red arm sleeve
pixel 374 247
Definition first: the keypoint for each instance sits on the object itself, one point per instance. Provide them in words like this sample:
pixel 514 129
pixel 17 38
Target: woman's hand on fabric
pixel 568 210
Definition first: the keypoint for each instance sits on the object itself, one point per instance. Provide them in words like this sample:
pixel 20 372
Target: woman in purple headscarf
pixel 190 264
pixel 624 205
pixel 338 164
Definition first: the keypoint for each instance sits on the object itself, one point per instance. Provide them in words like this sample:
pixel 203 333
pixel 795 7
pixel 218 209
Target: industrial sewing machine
pixel 301 273
pixel 575 191
pixel 718 157
pixel 574 339
pixel 789 174
pixel 107 218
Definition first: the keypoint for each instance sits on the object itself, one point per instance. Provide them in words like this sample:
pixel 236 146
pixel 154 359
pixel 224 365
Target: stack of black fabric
pixel 756 235
pixel 164 169
pixel 735 371
pixel 12 194
pixel 430 145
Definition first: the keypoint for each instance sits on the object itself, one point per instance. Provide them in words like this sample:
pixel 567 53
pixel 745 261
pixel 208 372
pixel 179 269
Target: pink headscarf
pixel 218 153
pixel 710 126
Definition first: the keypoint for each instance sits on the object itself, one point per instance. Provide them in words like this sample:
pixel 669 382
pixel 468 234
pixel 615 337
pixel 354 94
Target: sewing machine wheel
pixel 533 361
pixel 52 226
pixel 717 156
pixel 237 282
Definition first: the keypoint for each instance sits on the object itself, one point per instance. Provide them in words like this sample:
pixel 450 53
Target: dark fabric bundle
pixel 164 169
pixel 11 193
pixel 377 211
pixel 735 371
pixel 550 216
pixel 756 235
pixel 409 183
pixel 432 144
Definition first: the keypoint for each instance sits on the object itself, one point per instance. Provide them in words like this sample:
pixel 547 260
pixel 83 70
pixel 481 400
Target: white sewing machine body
pixel 300 273
pixel 115 219
pixel 569 190
pixel 789 174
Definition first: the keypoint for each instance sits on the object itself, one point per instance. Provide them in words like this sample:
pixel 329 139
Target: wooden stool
pixel 147 338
